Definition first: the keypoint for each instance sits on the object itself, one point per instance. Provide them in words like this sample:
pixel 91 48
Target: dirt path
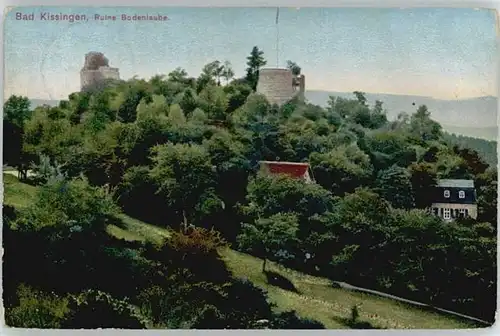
pixel 414 303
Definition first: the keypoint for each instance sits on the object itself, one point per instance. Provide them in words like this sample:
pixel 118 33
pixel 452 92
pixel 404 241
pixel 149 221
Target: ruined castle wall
pixel 302 85
pixel 93 78
pixel 109 73
pixel 89 78
pixel 279 85
pixel 96 71
pixel 276 84
pixel 94 60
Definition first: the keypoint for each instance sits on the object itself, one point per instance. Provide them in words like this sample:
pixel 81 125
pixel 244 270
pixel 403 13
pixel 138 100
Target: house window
pixel 447 193
pixel 447 214
pixel 461 194
pixel 463 213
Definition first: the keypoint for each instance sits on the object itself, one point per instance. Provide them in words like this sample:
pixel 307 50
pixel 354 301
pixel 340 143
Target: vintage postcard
pixel 249 168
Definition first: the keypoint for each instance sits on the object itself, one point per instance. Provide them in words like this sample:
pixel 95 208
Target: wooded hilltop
pixel 176 150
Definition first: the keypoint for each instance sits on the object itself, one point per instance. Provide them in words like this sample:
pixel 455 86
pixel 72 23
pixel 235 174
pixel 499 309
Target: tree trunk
pixel 264 265
pixel 23 173
pixel 184 220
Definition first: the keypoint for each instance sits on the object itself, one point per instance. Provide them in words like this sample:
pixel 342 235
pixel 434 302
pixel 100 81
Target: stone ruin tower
pixel 96 71
pixel 279 85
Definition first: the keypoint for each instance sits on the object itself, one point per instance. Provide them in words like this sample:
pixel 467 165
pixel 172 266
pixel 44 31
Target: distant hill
pixel 475 117
pixel 40 102
pixel 486 133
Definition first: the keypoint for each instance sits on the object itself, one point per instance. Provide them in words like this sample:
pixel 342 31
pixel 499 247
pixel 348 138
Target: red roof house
pixel 293 169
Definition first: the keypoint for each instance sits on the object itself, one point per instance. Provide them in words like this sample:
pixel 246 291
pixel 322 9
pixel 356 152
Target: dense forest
pixel 182 153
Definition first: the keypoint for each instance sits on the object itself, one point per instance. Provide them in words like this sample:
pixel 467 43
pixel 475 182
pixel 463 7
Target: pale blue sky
pixel 443 53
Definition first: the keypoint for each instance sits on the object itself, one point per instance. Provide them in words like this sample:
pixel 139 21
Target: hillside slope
pixel 486 133
pixel 317 299
pixel 314 298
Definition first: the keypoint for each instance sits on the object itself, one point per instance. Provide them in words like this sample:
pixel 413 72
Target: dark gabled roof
pixel 455 183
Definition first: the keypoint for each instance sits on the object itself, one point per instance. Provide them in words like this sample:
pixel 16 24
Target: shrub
pixel 245 304
pixel 69 205
pixel 36 309
pixel 46 170
pixel 94 309
pixel 153 305
pixel 193 253
pixel 8 214
pixel 196 240
pixel 354 314
pixel 290 320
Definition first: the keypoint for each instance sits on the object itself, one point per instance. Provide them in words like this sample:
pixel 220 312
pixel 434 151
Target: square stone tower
pixel 96 71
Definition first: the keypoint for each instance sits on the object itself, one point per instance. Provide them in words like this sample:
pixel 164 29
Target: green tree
pixel 298 139
pixel 378 115
pixel 450 165
pixel 189 101
pixel 267 236
pixel 255 110
pixel 293 67
pixel 227 72
pixel 184 174
pixel 16 112
pixel 135 93
pixel 210 75
pixel 423 179
pixel 360 220
pixel 361 115
pixel 228 155
pixel 423 246
pixel 237 94
pixel 342 169
pixel 486 186
pixel 45 170
pixel 218 72
pixel 138 188
pixel 68 206
pixel 342 106
pixel 158 107
pixel 254 62
pixel 394 185
pixel 387 148
pixel 56 138
pixel 213 101
pixel 178 75
pixel 176 116
pixel 269 195
pixel 99 112
pixel 474 162
pixel 79 103
pixel 198 116
pixel 361 97
pixel 423 127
